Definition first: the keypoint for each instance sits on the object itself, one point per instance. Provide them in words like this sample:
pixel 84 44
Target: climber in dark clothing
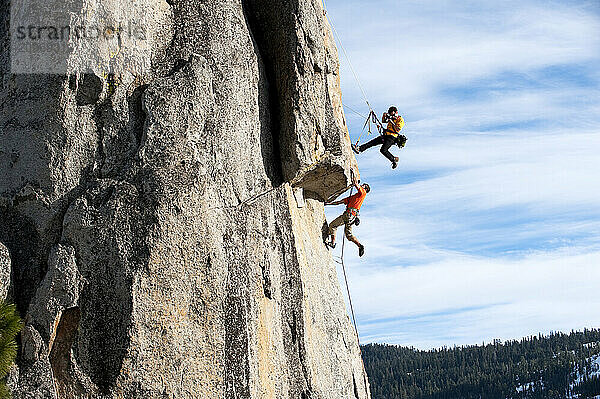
pixel 391 135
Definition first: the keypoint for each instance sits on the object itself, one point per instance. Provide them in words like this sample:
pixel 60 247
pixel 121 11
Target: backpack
pixel 401 140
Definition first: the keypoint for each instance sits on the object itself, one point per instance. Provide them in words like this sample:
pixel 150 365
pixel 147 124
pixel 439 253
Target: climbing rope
pixel 372 116
pixel 368 119
pixel 362 90
pixel 340 260
pixel 379 128
pixel 348 291
pixel 354 111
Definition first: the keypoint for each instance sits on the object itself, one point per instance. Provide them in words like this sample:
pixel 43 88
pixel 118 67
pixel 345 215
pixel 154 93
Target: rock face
pixel 166 230
pixel 4 272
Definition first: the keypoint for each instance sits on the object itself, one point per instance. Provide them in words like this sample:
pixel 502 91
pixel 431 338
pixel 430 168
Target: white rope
pixel 348 290
pixel 354 111
pixel 340 260
pixel 371 110
pixel 346 55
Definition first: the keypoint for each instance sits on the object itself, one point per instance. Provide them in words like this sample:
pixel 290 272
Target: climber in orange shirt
pixel 391 135
pixel 350 215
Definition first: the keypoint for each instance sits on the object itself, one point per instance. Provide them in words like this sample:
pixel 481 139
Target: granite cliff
pixel 164 229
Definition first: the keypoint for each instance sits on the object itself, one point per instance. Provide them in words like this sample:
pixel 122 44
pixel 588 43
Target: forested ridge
pixel 555 366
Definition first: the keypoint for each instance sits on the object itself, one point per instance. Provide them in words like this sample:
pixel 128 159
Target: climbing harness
pixel 371 119
pixel 354 213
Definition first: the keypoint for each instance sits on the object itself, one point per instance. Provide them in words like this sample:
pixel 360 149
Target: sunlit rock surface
pixel 158 248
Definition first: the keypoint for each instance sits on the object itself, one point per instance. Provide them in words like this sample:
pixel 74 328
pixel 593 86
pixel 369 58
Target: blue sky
pixel 490 226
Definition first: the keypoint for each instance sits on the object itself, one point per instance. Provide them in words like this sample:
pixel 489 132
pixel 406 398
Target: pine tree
pixel 10 325
pixel 541 367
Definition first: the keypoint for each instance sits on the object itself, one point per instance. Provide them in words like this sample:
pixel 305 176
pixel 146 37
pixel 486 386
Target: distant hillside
pixel 557 366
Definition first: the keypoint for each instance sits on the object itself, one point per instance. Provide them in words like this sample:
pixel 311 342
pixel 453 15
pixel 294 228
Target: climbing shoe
pixel 361 250
pixel 355 148
pixel 395 163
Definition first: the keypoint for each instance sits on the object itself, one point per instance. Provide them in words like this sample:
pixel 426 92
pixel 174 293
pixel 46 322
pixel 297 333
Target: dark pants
pixel 386 142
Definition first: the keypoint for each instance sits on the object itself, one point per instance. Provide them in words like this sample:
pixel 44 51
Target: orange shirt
pixel 355 201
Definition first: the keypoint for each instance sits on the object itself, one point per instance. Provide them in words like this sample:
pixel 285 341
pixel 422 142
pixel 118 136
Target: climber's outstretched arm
pixel 335 202
pixel 354 181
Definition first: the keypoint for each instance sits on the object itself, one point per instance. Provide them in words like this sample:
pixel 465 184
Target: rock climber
pixel 350 215
pixel 391 135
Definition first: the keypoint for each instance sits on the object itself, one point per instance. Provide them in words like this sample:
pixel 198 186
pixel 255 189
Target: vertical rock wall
pixel 158 249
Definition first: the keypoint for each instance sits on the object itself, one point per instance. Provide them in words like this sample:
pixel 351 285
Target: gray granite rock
pixel 5 272
pixel 159 248
pixel 34 375
pixel 58 292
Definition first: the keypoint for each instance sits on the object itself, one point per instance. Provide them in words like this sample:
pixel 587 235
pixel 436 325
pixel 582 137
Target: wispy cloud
pixel 490 227
pixel 464 299
pixel 407 49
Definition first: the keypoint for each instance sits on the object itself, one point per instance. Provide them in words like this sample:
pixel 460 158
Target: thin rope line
pixel 346 55
pixel 348 291
pixel 351 67
pixel 367 122
pixel 355 111
pixel 346 280
pixel 352 187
